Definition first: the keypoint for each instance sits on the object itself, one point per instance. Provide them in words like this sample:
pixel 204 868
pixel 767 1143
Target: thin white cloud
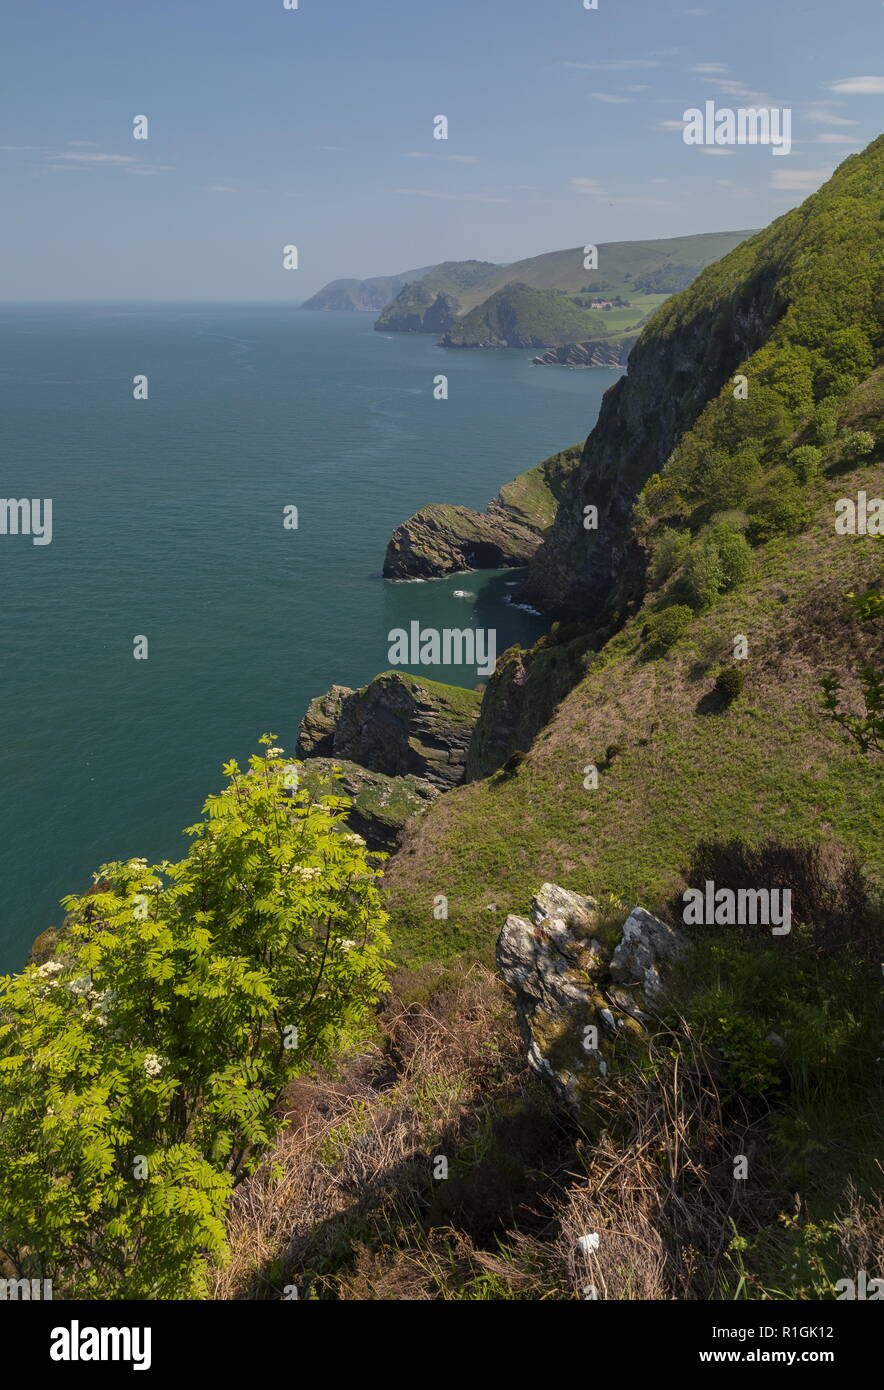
pixel 709 67
pixel 615 65
pixel 593 189
pixel 638 87
pixel 799 180
pixel 609 97
pixel 821 115
pixel 453 197
pixel 219 188
pixel 713 150
pixel 97 158
pixel 859 86
pixel 452 158
pixel 831 139
pixel 84 144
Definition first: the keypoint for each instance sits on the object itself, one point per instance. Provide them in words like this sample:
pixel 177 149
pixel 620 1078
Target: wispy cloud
pixel 799 180
pixel 858 86
pixel 452 158
pixel 831 139
pixel 609 97
pixel 219 188
pixel 453 197
pixel 593 189
pixel 615 65
pixel 709 67
pixel 96 158
pixel 821 115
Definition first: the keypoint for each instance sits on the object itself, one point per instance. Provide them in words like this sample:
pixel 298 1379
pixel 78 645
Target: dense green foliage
pixel 757 450
pixel 139 1070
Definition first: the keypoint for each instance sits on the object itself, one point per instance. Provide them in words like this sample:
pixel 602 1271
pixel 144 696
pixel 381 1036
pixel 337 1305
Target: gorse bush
pixel 805 462
pixel 858 445
pixel 830 898
pixel 664 628
pixel 140 1069
pixel 729 684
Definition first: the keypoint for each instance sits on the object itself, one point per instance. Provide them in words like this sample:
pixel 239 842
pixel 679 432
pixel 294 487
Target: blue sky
pixel 269 126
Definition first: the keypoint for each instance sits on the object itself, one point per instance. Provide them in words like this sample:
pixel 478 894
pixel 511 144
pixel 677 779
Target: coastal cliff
pixel 443 539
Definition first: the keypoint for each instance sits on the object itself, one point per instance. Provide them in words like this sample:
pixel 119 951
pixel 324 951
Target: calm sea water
pixel 168 523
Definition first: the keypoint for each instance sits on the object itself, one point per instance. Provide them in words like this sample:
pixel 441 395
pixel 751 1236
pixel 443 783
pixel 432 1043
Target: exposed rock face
pixel 380 805
pixel 441 539
pixel 585 995
pixel 397 725
pixel 681 361
pixel 520 699
pixel 317 735
pixel 595 353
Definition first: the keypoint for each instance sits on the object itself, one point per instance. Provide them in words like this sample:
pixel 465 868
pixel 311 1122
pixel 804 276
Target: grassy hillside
pixel 630 269
pixel 519 316
pixel 685 767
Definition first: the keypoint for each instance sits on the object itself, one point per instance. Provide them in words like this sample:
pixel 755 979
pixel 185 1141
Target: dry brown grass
pixel 346 1205
pixel 354 1162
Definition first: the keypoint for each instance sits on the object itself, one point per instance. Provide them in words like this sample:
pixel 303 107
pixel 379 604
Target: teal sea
pixel 168 523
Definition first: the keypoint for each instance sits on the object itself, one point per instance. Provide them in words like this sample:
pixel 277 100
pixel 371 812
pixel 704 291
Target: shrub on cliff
pixel 139 1070
pixel 664 628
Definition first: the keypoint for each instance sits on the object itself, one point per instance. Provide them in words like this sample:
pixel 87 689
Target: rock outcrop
pixel 397 725
pixel 441 539
pixel 586 993
pixel 380 805
pixel 597 352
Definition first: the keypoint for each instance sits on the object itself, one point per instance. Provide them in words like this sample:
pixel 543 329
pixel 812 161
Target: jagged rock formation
pixel 397 725
pixel 597 352
pixel 441 539
pixel 316 738
pixel 380 805
pixel 521 696
pixel 586 993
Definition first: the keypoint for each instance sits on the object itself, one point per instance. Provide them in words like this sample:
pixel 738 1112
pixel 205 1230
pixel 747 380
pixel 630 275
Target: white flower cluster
pixel 275 752
pixel 153 1065
pixel 306 874
pixel 49 967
